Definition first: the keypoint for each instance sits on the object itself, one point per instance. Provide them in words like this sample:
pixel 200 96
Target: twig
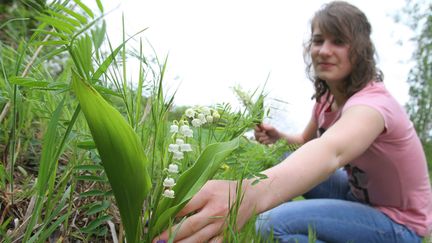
pixel 5 111
pixel 113 231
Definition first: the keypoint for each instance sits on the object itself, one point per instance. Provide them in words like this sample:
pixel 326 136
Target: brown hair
pixel 348 23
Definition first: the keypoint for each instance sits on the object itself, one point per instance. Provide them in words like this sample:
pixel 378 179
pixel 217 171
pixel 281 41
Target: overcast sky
pixel 214 45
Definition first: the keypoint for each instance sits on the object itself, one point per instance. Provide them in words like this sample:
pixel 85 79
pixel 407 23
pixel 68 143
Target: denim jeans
pixel 334 215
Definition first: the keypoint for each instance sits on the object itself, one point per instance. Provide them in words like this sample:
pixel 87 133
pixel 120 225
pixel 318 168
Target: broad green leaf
pixel 121 152
pixel 190 182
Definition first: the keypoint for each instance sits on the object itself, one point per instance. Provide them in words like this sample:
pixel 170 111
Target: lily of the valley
pixel 186 131
pixel 196 122
pixel 185 147
pixel 178 155
pixel 174 128
pixel 173 148
pixel 190 112
pixel 169 182
pixel 169 193
pixel 173 169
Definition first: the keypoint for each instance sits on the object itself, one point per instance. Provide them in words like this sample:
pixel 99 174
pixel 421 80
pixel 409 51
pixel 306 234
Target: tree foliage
pixel 420 77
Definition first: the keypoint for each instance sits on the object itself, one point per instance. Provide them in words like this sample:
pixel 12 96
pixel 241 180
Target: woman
pixel 361 165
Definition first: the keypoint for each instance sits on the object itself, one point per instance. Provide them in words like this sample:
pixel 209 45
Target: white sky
pixel 214 45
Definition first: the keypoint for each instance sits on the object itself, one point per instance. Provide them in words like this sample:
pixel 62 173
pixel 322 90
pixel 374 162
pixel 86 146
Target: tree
pixel 419 105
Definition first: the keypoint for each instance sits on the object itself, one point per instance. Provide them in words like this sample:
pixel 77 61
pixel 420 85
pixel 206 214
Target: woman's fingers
pixel 217 239
pixel 198 226
pixel 195 204
pixel 207 234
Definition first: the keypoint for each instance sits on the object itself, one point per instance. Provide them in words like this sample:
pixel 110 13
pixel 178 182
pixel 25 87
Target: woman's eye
pixel 339 42
pixel 317 41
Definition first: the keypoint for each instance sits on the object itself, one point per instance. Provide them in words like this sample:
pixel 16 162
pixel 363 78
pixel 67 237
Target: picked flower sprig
pixel 201 115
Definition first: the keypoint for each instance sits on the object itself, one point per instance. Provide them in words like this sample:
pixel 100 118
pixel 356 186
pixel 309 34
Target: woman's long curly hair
pixel 348 23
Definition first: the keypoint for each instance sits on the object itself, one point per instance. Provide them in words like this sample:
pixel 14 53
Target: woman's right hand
pixel 266 134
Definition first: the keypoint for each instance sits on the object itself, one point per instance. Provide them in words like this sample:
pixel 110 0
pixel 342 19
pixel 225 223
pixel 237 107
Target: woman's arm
pixel 316 160
pixel 311 164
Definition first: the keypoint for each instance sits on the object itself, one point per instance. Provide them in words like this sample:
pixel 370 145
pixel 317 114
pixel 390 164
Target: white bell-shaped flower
pixel 190 113
pixel 205 110
pixel 196 122
pixel 185 147
pixel 186 131
pixel 169 193
pixel 174 128
pixel 169 182
pixel 216 115
pixel 173 169
pixel 201 116
pixel 178 155
pixel 173 148
pixel 209 118
pixel 179 141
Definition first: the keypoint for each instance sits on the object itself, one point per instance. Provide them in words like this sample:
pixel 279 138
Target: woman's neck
pixel 339 98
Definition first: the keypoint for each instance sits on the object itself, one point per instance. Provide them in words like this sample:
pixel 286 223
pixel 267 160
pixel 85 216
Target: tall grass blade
pixel 121 152
pixel 47 164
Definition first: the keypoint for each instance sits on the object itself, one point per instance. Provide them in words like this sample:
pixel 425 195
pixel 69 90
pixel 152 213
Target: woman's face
pixel 330 57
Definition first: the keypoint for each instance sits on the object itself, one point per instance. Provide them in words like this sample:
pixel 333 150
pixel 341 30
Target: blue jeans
pixel 334 215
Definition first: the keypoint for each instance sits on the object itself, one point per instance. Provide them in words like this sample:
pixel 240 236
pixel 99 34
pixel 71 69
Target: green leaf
pixel 190 182
pixel 52 33
pixel 88 144
pixel 72 13
pixel 50 43
pixel 64 18
pixel 92 193
pixel 88 167
pixel 28 82
pixel 47 166
pixel 90 178
pixel 104 66
pixel 100 5
pixel 99 207
pixel 85 8
pixel 56 23
pixel 96 223
pixel 121 152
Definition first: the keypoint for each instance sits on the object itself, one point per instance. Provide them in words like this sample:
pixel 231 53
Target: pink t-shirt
pixel 391 175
